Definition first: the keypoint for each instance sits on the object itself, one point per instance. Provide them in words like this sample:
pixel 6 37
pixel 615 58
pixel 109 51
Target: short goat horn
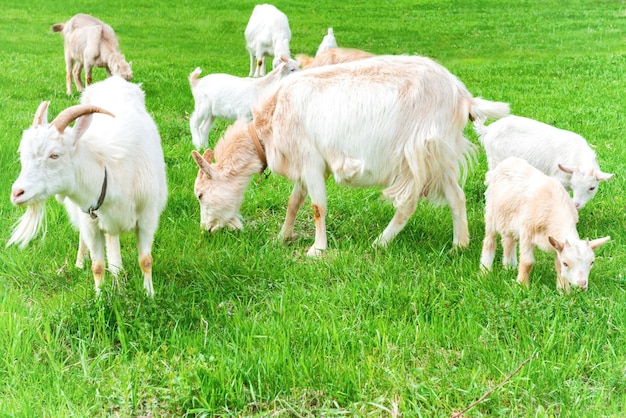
pixel 72 113
pixel 39 115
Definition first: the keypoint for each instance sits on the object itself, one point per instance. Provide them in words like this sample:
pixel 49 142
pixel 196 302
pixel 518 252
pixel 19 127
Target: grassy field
pixel 243 325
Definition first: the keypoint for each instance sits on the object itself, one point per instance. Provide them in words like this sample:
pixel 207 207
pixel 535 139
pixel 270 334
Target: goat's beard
pixel 29 225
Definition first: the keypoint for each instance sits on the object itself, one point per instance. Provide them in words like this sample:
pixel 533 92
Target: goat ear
pixel 284 59
pixel 41 115
pixel 81 126
pixel 598 242
pixel 558 246
pixel 600 176
pixel 567 169
pixel 204 165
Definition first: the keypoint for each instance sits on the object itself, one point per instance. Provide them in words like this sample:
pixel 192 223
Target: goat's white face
pixel 46 157
pixel 219 198
pixel 576 260
pixel 584 183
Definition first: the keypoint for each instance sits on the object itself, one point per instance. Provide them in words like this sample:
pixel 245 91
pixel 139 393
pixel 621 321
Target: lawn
pixel 244 325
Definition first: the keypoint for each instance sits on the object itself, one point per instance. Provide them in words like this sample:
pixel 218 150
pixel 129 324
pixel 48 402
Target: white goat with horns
pixel 110 171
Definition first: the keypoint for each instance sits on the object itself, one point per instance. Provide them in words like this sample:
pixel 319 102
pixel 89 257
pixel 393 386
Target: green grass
pixel 242 325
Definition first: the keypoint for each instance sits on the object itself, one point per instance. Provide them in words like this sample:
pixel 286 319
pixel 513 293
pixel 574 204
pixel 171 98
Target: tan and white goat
pixel 89 42
pixel 525 205
pixel 391 121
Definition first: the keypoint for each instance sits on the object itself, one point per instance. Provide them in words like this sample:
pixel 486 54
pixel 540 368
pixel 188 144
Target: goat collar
pixel 103 192
pixel 257 144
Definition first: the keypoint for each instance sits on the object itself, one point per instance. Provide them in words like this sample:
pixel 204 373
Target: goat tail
pixel 58 27
pixel 482 109
pixel 193 77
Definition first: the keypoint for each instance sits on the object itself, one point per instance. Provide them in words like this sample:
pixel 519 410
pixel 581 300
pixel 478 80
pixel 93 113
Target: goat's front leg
pixel 509 246
pixel 94 238
pixel 88 74
pixel 146 228
pixel 397 224
pixel 114 255
pixel 298 194
pixel 83 252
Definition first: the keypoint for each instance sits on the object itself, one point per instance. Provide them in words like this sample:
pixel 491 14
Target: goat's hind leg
pixel 456 200
pixel 397 224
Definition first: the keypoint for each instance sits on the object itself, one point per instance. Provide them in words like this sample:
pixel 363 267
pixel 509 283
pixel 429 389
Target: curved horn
pixel 42 111
pixel 74 112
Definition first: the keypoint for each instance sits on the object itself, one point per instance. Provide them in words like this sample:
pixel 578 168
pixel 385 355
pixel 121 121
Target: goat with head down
pixel 525 205
pixel 109 169
pixel 391 121
pixel 558 153
pixel 89 42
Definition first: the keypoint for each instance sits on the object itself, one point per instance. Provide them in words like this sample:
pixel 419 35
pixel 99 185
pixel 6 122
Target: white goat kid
pixel 327 43
pixel 229 97
pixel 558 153
pixel 89 42
pixel 393 121
pixel 111 168
pixel 525 205
pixel 267 34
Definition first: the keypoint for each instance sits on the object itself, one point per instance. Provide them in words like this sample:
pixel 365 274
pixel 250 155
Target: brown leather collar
pixel 257 144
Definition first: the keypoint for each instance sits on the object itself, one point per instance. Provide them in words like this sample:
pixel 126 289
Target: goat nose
pixel 577 204
pixel 583 284
pixel 16 194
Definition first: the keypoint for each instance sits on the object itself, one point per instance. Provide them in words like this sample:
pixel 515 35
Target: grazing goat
pixel 328 42
pixel 332 56
pixel 229 97
pixel 393 121
pixel 558 153
pixel 108 170
pixel 525 205
pixel 90 42
pixel 267 34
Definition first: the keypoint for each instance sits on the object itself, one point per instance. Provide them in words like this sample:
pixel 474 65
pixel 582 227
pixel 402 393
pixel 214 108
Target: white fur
pixel 328 42
pixel 71 164
pixel 229 97
pixel 525 205
pixel 89 42
pixel 267 34
pixel 391 121
pixel 558 153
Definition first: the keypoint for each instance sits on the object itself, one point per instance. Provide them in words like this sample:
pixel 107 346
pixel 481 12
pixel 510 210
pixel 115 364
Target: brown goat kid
pixel 89 42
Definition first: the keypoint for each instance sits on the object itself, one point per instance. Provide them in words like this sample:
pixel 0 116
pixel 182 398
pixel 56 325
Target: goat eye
pixel 592 188
pixel 565 264
pixel 200 196
pixel 54 156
